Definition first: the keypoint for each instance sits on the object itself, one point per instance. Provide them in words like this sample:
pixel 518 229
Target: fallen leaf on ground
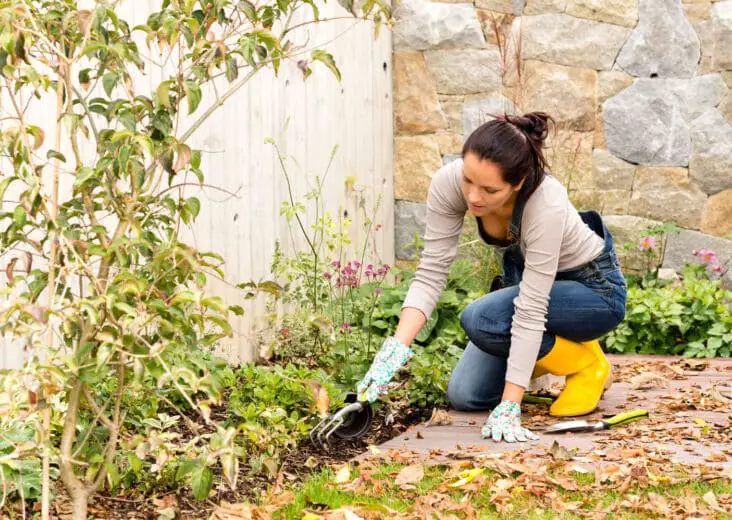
pixel 232 512
pixel 311 462
pixel 410 475
pixel 439 417
pixel 559 452
pixel 715 457
pixel 343 475
pixel 695 364
pixel 342 514
pixel 466 477
pixel 648 380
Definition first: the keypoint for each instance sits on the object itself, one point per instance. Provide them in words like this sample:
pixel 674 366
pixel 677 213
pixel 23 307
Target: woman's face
pixel 483 186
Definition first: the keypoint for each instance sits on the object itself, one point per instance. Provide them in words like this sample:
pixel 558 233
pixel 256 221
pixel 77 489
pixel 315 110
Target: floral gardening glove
pixel 505 422
pixel 390 358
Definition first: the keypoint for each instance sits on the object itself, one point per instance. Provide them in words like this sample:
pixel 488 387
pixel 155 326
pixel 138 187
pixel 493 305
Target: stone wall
pixel 641 91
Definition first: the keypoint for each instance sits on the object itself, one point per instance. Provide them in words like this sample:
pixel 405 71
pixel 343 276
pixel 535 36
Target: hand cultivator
pixel 350 422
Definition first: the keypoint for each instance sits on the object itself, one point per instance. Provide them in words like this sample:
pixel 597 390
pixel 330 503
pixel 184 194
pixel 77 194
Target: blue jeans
pixel 584 304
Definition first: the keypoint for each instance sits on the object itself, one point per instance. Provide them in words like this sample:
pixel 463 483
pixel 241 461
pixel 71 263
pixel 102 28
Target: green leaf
pixel 163 93
pixel 112 474
pixel 194 206
pixel 248 9
pixel 53 154
pixel 109 80
pixel 232 69
pixel 85 173
pixel 19 216
pixel 127 118
pixel 201 482
pixel 193 95
pixel 4 187
pixel 134 462
pixel 328 60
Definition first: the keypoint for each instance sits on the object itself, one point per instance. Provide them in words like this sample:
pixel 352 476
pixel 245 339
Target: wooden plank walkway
pixel 689 401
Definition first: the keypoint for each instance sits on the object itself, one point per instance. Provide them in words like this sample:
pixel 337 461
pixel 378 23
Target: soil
pixel 295 468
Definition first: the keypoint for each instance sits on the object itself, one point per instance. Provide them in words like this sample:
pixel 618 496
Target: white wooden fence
pixel 355 115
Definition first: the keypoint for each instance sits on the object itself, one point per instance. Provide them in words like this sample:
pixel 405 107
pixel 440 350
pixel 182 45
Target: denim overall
pixel 585 303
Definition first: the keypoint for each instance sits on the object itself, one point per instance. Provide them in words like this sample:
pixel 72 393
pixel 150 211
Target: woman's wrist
pixel 513 392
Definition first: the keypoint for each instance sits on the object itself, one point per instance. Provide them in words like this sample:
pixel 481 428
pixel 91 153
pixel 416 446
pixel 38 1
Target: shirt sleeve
pixel 444 221
pixel 542 232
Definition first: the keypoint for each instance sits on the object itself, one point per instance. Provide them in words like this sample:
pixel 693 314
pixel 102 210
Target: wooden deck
pixel 689 401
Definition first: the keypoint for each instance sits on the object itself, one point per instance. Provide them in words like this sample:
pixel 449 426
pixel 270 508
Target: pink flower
pixel 327 276
pixel 717 268
pixel 377 291
pixel 707 255
pixel 647 243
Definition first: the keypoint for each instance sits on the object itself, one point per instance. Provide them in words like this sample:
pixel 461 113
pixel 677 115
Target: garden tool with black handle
pixel 352 421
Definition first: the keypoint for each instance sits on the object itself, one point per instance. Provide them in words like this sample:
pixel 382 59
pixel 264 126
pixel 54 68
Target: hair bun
pixel 534 124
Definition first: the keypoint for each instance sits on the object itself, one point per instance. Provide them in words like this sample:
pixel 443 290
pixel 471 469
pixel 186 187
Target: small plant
pixel 690 319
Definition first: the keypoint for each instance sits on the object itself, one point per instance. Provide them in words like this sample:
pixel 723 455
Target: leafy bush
pixel 266 404
pixel 691 319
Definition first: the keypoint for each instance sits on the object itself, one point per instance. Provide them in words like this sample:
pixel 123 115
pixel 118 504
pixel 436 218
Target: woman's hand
pixel 390 358
pixel 504 422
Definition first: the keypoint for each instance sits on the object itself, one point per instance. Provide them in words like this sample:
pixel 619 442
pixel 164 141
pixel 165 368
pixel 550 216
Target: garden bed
pixel 296 468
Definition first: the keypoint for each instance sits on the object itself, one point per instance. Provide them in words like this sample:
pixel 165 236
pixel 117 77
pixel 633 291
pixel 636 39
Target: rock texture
pixel 717 216
pixel 629 230
pixel 422 25
pixel 416 160
pixel 464 71
pixel 611 173
pixel 722 35
pixel 619 12
pixel 643 125
pixel 574 42
pixel 409 219
pixel 663 44
pixel 667 194
pixel 679 248
pixel 711 156
pixel 567 93
pixel 480 111
pixel 417 110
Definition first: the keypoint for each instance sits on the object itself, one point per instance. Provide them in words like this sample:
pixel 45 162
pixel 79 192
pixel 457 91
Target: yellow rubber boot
pixel 587 372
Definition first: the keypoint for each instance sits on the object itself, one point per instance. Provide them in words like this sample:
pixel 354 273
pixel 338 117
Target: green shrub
pixel 690 319
pixel 270 406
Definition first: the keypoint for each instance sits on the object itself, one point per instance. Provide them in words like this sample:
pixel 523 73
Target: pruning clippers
pixel 592 426
pixel 350 422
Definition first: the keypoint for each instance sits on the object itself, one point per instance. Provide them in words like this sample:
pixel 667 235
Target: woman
pixel 561 287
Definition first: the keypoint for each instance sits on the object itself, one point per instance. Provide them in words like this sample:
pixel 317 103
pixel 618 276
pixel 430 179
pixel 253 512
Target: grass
pixel 321 493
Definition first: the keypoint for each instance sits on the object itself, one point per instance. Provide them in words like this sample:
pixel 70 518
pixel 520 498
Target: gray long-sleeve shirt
pixel 553 238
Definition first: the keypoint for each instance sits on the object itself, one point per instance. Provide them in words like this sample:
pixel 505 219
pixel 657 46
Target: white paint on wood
pixel 356 115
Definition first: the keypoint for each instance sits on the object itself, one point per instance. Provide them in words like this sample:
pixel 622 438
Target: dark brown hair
pixel 515 143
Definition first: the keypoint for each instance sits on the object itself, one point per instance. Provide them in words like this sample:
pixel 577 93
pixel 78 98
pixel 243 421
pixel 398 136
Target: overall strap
pixel 514 228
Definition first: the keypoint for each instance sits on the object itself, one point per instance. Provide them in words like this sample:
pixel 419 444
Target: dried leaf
pixel 695 364
pixel 559 452
pixel 85 22
pixel 320 396
pixel 166 507
pixel 466 477
pixel 648 380
pixel 715 457
pixel 719 396
pixel 311 463
pixel 412 474
pixel 439 417
pixel 342 514
pixel 343 475
pixel 9 270
pixel 658 504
